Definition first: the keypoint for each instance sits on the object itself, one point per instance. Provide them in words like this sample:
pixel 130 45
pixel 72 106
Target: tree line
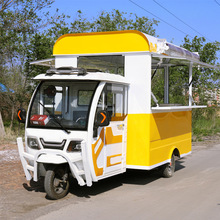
pixel 29 31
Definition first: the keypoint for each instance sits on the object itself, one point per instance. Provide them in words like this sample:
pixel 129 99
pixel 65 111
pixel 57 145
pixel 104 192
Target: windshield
pixel 63 105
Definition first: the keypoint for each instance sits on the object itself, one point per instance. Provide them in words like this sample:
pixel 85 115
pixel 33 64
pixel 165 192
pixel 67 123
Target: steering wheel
pixel 81 121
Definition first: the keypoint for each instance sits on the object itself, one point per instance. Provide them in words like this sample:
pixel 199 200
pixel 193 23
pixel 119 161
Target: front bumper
pixel 55 157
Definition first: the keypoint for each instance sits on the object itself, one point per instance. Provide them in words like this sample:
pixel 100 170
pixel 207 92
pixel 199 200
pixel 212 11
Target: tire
pixel 169 169
pixel 56 182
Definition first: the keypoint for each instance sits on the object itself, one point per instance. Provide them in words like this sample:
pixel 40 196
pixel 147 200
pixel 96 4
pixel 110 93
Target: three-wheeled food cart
pixel 91 115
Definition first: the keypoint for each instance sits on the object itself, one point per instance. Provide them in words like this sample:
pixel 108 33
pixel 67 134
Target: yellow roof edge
pixel 102 33
pixel 98 34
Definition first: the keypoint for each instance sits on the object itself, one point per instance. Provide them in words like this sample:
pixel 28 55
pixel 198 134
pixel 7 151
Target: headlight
pixel 33 143
pixel 74 146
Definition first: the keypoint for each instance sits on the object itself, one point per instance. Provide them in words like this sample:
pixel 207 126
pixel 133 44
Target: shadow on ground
pixel 136 177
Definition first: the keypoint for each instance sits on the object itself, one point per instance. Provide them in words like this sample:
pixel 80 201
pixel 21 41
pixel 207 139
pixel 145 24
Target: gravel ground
pixel 11 172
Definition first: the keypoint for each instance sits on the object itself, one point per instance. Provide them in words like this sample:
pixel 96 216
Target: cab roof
pixel 94 76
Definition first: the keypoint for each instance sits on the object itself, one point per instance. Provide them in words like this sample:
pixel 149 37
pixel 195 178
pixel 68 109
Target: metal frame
pixel 163 61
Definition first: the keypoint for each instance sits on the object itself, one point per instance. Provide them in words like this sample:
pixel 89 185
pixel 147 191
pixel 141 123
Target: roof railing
pixel 67 71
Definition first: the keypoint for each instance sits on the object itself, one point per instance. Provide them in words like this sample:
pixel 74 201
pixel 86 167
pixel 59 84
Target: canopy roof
pixel 165 60
pixel 115 42
pixel 122 42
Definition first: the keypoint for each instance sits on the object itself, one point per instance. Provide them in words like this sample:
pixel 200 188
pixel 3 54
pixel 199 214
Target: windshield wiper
pixel 54 117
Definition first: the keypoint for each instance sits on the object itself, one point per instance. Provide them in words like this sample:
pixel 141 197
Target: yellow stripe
pixel 109 164
pixel 110 138
pixel 98 170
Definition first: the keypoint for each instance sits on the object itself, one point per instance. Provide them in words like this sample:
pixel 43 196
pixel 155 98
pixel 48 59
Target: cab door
pixel 109 142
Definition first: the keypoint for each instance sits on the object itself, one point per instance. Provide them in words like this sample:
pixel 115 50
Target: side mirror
pixel 21 115
pixel 102 118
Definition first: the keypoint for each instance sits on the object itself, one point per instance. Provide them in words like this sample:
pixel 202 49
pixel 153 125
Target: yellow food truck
pixel 92 116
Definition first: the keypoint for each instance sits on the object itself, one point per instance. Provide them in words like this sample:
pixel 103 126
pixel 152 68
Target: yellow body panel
pixel 153 137
pixel 138 136
pixel 101 42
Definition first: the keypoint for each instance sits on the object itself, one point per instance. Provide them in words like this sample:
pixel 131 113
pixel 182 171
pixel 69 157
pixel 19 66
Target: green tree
pixel 113 21
pixel 28 34
pixel 206 82
pixel 204 77
pixel 19 20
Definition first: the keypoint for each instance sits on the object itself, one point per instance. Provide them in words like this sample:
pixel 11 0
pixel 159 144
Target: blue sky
pixel 201 15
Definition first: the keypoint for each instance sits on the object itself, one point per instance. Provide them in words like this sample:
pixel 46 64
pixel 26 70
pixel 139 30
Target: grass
pixel 12 134
pixel 205 127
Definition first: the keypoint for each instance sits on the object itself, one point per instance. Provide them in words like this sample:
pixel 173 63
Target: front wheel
pixel 168 169
pixel 56 182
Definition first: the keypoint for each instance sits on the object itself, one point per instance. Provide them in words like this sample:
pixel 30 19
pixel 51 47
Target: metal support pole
pixel 166 85
pixel 190 83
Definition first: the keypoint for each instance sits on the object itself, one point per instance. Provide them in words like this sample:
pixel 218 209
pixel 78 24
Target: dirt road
pixel 193 192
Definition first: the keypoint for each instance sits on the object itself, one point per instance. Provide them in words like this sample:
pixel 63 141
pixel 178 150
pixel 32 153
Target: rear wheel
pixel 56 182
pixel 168 169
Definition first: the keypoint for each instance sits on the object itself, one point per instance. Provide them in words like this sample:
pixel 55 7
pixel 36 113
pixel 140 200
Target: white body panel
pixel 70 61
pixel 138 65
